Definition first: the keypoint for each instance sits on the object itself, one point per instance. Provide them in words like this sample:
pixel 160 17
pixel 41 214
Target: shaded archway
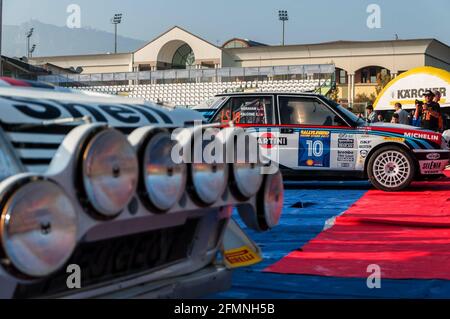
pixel 370 74
pixel 175 54
pixel 183 58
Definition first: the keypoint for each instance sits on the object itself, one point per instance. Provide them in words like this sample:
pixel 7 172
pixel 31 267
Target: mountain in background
pixel 53 40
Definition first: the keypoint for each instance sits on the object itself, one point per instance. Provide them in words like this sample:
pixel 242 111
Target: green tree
pixel 382 80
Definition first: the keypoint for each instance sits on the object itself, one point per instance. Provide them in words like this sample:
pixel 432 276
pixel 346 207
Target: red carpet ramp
pixel 406 233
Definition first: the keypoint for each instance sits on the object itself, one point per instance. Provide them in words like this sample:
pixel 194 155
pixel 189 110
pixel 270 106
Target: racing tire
pixel 391 168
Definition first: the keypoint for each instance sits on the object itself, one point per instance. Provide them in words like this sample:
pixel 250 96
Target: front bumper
pixel 212 279
pixel 432 162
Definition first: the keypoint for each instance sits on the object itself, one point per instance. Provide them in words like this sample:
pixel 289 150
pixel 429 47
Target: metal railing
pixel 304 71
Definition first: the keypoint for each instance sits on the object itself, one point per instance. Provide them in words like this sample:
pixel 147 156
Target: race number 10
pixel 315 148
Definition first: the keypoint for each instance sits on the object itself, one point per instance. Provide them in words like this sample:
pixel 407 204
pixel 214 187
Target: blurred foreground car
pixel 310 136
pixel 88 184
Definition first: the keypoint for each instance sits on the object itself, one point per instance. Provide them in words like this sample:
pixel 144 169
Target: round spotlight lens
pixel 165 181
pixel 110 172
pixel 273 200
pixel 248 178
pixel 210 181
pixel 38 228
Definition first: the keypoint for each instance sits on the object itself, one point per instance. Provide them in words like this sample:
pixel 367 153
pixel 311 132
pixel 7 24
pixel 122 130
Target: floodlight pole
pixel 117 19
pixel 283 17
pixel 115 38
pixel 29 35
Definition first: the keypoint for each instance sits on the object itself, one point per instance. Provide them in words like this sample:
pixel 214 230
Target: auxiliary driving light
pixel 248 178
pixel 210 175
pixel 38 228
pixel 271 203
pixel 247 168
pixel 110 172
pixel 210 181
pixel 164 180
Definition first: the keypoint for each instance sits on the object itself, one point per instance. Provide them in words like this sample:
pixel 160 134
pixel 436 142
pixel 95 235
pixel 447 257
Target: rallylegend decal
pixel 314 148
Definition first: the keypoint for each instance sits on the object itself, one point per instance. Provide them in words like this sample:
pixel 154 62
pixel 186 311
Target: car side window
pixel 246 110
pixel 306 111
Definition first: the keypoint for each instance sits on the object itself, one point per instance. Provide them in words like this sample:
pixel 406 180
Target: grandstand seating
pixel 190 94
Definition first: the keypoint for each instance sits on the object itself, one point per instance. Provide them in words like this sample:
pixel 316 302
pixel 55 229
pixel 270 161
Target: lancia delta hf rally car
pixel 311 136
pixel 92 203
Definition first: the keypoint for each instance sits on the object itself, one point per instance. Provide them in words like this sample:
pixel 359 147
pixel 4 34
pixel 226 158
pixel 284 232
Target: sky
pixel 218 21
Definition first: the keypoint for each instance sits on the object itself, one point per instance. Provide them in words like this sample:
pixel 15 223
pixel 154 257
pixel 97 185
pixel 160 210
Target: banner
pixel 409 86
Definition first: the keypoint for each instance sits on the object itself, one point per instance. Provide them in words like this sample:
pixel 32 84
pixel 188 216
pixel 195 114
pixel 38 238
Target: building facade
pixel 359 64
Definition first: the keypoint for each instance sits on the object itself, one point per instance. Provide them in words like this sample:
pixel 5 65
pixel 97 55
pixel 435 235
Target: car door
pixel 317 137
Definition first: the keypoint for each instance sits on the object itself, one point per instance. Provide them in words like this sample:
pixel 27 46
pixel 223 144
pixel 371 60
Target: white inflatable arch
pixel 410 85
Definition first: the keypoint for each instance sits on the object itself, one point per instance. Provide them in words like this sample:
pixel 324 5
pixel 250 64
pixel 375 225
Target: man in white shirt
pixel 403 116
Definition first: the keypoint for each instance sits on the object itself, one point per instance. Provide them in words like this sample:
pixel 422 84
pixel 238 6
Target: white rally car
pixel 93 205
pixel 311 136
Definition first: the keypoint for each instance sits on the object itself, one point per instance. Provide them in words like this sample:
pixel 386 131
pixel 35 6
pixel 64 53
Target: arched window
pixel 235 44
pixel 183 58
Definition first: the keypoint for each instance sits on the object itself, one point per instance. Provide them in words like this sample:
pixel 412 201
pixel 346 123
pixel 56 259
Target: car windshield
pixel 211 103
pixel 348 114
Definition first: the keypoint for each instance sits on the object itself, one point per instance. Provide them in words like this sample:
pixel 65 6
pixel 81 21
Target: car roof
pixel 267 93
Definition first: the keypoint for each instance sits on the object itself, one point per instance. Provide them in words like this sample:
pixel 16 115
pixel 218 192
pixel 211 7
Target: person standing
pixel 417 114
pixel 371 115
pixel 395 118
pixel 431 112
pixel 403 117
pixel 436 99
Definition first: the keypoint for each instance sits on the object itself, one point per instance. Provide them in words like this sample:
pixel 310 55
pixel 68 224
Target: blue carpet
pixel 320 201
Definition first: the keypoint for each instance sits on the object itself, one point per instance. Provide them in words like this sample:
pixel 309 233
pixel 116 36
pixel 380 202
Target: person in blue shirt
pixel 417 115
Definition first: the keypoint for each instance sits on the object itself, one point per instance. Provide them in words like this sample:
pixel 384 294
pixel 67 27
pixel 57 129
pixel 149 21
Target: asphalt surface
pixel 319 201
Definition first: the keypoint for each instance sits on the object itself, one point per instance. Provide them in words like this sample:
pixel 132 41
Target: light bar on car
pixel 38 226
pixel 209 176
pixel 164 180
pixel 109 172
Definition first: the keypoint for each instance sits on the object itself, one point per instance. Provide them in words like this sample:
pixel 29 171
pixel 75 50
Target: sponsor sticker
pixel 269 140
pixel 394 139
pixel 314 148
pixel 425 136
pixel 345 156
pixel 432 166
pixel 363 153
pixel 365 144
pixel 433 156
pixel 241 257
pixel 346 143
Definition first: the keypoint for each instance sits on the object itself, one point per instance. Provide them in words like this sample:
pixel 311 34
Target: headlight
pixel 164 180
pixel 38 228
pixel 209 180
pixel 109 172
pixel 247 167
pixel 210 177
pixel 248 178
pixel 271 203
